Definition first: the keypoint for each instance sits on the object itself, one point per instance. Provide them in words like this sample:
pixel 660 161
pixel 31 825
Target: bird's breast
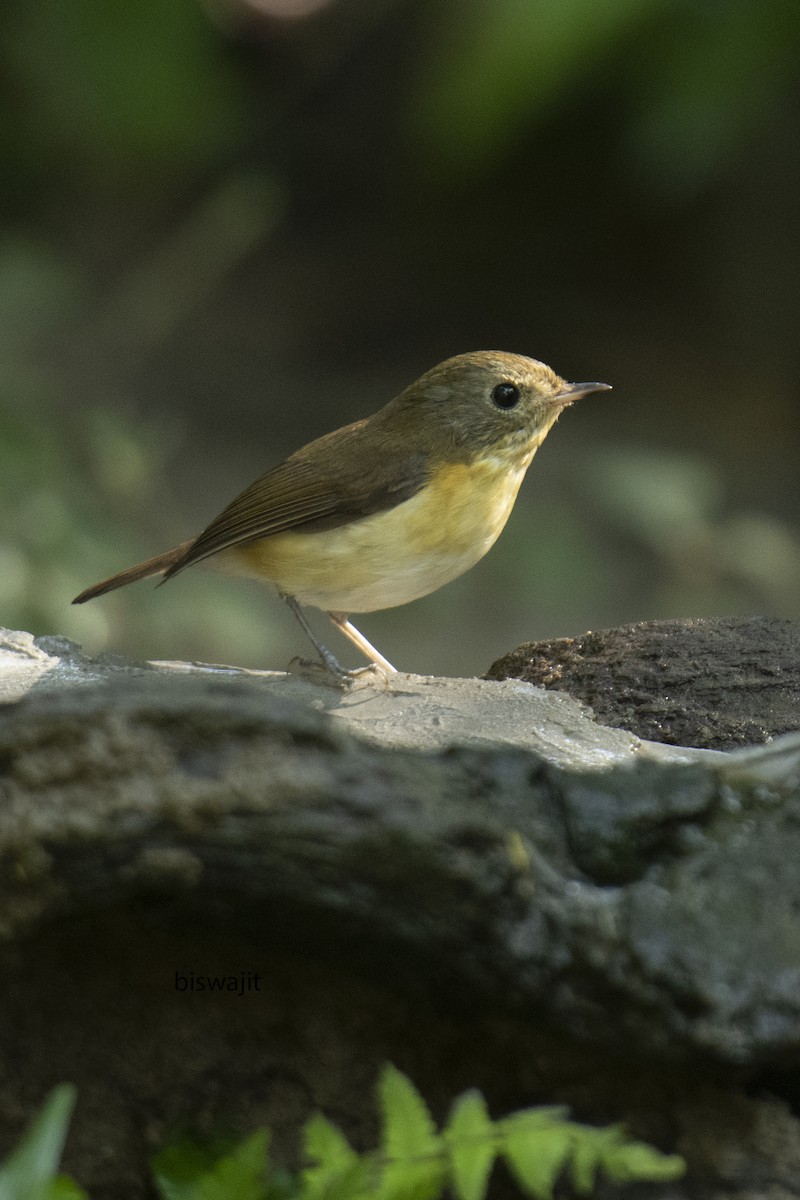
pixel 394 556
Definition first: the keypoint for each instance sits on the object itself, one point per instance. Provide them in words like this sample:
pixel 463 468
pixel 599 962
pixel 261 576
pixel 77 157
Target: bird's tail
pixel 142 570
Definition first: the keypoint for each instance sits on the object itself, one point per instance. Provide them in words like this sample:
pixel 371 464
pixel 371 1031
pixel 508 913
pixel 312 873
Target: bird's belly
pixel 394 556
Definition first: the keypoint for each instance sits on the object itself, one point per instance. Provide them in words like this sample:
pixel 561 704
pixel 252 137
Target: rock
pixel 470 878
pixel 716 683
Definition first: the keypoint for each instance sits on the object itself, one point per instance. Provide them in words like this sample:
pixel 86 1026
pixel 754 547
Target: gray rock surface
pixel 435 871
pixel 412 711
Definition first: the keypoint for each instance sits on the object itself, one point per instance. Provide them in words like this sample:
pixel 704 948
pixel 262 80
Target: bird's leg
pixel 341 622
pixel 329 660
pixel 325 654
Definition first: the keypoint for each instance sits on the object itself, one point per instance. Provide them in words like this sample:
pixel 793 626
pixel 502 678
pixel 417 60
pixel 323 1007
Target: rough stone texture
pixel 414 711
pixel 719 684
pixel 548 910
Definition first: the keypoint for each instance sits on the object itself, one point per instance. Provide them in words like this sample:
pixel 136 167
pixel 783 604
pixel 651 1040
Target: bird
pixel 389 508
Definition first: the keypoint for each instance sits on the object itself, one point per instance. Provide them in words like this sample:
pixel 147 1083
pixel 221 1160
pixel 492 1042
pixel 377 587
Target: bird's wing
pixel 325 484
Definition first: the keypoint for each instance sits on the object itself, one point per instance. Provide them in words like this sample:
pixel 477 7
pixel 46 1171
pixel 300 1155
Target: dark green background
pixel 225 232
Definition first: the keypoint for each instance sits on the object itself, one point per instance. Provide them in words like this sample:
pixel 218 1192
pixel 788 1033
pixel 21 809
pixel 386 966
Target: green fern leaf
pixel 536 1157
pixel 340 1174
pixel 534 1119
pixel 326 1144
pixel 241 1174
pixel 632 1161
pixel 472 1140
pixel 188 1172
pixel 412 1180
pixel 414 1154
pixel 356 1182
pixel 408 1128
pixel 64 1188
pixel 587 1155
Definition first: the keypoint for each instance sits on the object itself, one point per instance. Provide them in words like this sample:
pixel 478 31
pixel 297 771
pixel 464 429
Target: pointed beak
pixel 574 391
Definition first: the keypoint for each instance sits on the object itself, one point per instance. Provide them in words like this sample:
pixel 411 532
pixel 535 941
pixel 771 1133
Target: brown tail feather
pixel 143 570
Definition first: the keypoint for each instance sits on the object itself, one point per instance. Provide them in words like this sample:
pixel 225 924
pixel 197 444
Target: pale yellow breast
pixel 395 556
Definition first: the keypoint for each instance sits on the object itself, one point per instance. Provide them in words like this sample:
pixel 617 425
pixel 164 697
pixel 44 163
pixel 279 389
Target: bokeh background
pixel 231 225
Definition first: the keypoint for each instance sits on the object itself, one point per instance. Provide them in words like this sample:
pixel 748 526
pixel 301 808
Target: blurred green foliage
pixel 222 232
pixel 30 1172
pixel 495 70
pixel 124 90
pixel 699 555
pixel 67 489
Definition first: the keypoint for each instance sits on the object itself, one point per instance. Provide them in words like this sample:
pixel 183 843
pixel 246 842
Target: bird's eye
pixel 506 395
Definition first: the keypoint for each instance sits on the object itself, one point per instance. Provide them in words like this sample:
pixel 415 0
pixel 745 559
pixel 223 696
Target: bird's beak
pixel 574 391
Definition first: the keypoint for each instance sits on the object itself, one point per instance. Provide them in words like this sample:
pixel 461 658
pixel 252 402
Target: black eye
pixel 505 395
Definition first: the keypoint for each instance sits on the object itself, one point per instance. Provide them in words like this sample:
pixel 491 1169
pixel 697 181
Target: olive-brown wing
pixel 334 480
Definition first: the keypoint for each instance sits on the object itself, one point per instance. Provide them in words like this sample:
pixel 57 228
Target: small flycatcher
pixel 392 507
